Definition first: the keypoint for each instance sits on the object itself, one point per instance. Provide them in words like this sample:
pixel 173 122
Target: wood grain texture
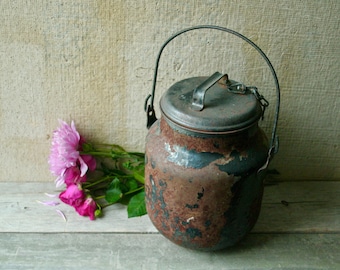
pixel 305 234
pixel 149 252
pixel 307 207
pixel 312 207
pixel 20 201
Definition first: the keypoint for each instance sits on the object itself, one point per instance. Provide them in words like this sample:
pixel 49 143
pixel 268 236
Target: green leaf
pixel 132 184
pixel 126 199
pixel 123 187
pixel 136 206
pixel 115 183
pixel 113 195
pixel 114 192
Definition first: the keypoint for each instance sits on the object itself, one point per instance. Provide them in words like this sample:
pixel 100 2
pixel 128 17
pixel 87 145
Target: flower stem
pixel 127 193
pixel 97 182
pixel 97 153
pixel 133 191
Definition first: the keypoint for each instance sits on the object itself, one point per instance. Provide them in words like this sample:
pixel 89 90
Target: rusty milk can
pixel 206 157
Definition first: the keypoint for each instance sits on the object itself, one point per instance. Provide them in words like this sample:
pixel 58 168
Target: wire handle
pixel 149 108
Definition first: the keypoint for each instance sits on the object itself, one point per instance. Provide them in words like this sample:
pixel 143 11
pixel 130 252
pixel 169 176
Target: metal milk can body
pixel 205 159
pixel 204 193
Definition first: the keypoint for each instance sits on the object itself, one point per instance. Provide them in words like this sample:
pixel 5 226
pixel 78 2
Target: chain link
pixel 264 103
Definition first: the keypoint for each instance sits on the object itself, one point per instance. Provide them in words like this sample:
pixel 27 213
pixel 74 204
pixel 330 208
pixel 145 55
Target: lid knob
pixel 199 92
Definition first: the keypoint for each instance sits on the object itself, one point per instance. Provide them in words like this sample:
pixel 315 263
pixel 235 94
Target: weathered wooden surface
pixel 145 251
pixel 305 234
pixel 312 207
pixel 20 212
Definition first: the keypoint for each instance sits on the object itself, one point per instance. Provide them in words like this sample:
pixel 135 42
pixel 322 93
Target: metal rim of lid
pixel 216 118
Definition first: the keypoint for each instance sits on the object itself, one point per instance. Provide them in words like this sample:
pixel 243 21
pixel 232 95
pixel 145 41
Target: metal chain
pixel 264 103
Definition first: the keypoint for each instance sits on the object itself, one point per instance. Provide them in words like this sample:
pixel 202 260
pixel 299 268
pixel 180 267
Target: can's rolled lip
pixel 205 133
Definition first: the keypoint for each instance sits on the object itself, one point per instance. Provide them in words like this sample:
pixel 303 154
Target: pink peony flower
pixel 73 195
pixel 66 143
pixel 88 208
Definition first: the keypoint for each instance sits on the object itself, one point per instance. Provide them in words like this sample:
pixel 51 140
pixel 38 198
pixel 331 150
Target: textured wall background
pixel 93 61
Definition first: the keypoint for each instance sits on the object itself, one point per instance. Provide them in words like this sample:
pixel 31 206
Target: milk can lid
pixel 227 107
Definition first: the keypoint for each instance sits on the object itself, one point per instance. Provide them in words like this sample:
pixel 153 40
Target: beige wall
pixel 93 61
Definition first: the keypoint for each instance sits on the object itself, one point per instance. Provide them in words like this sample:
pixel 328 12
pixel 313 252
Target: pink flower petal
pixel 72 176
pixel 73 195
pixel 49 203
pixel 90 161
pixel 51 195
pixel 87 208
pixel 61 214
pixel 83 166
pixel 59 181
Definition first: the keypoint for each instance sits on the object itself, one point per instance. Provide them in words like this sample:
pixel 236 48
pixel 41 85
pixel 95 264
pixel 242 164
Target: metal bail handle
pixel 149 108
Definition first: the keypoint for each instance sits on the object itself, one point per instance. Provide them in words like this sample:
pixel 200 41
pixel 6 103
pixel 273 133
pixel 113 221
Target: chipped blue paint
pixel 153 192
pixel 192 206
pixel 241 165
pixel 207 224
pixel 190 158
pixel 193 232
pixel 153 164
pixel 158 198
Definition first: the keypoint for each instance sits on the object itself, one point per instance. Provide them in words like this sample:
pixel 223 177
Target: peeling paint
pixel 189 219
pixel 240 164
pixel 200 194
pixel 193 232
pixel 181 156
pixel 192 206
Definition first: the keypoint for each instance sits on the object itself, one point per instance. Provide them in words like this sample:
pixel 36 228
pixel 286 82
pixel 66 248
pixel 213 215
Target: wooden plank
pixel 312 207
pixel 152 251
pixel 20 212
pixel 309 206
